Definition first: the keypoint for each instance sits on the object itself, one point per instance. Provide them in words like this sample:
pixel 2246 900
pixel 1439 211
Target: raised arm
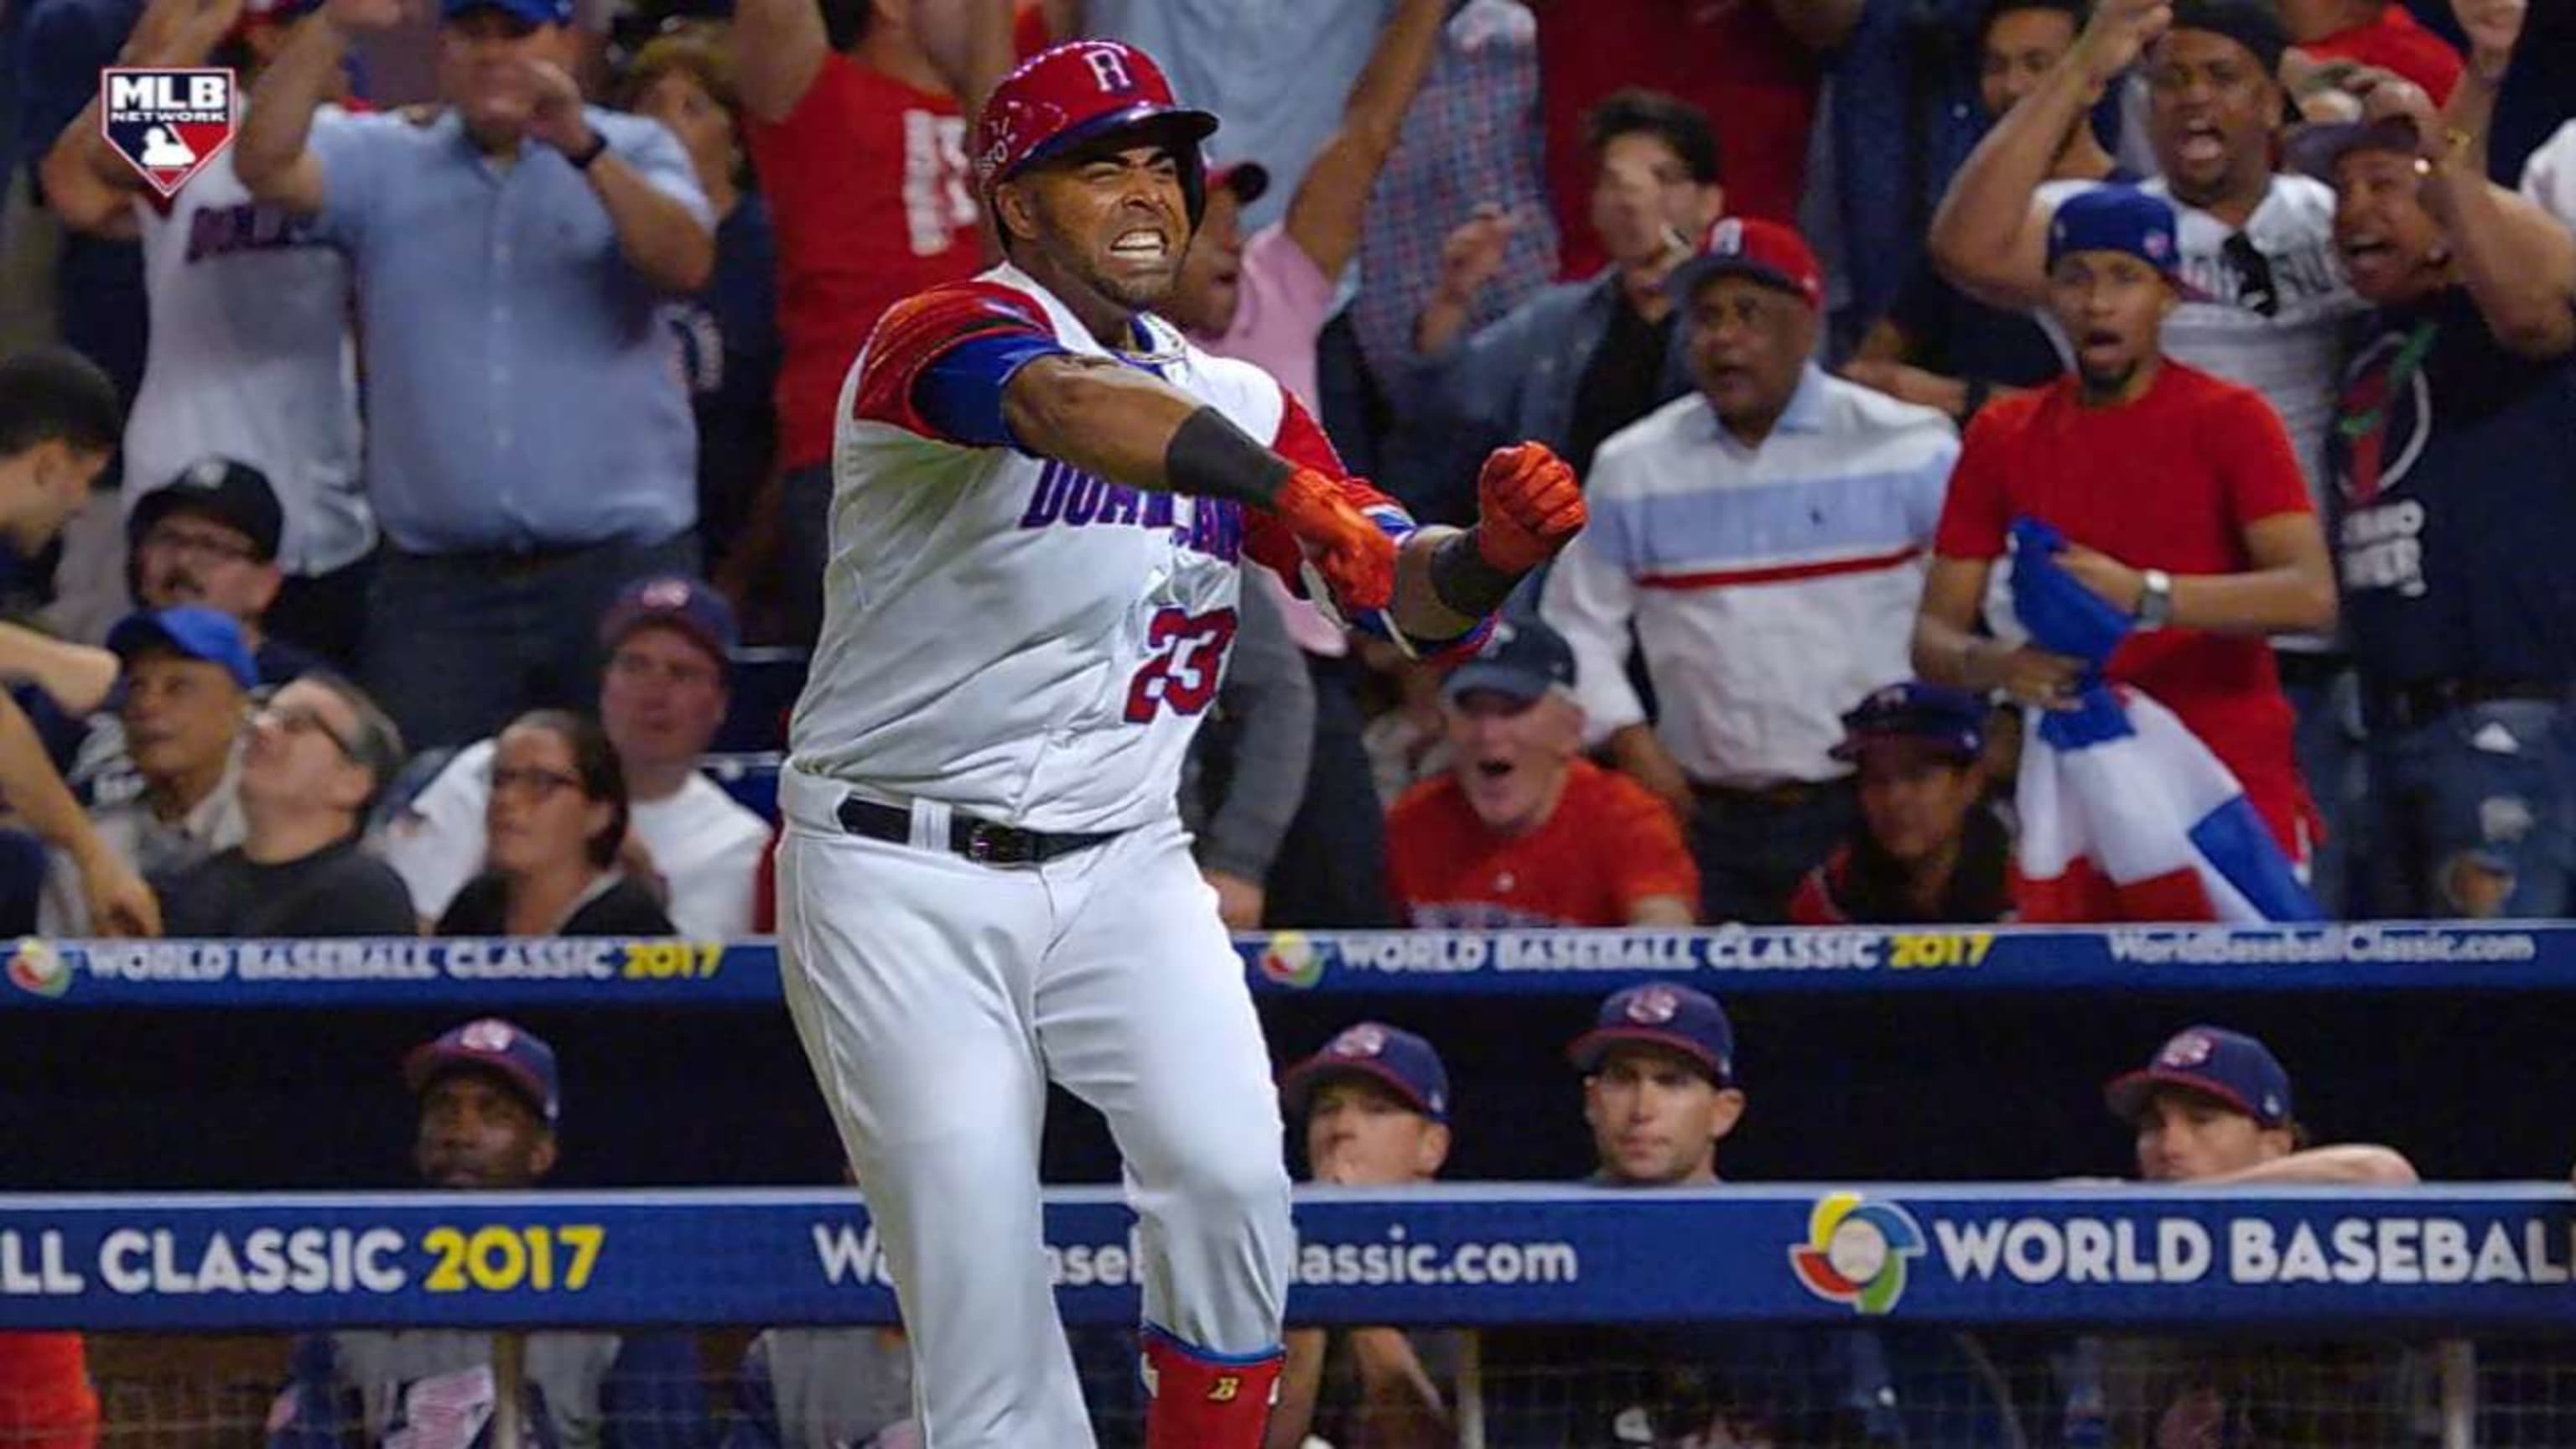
pixel 1332 199
pixel 2517 260
pixel 1990 236
pixel 779 46
pixel 120 904
pixel 1132 428
pixel 667 241
pixel 273 154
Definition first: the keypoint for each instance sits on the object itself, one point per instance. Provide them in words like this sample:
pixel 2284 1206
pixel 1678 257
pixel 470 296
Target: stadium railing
pixel 2006 1315
pixel 2358 957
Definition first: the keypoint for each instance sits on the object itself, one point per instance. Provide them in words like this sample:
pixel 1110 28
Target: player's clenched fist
pixel 1528 507
pixel 1353 554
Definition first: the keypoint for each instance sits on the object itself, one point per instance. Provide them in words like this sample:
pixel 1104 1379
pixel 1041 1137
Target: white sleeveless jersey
pixel 1005 633
pixel 251 357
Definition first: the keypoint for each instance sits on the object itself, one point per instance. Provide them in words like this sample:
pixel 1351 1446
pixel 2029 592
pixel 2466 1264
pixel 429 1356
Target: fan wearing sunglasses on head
pixel 2261 299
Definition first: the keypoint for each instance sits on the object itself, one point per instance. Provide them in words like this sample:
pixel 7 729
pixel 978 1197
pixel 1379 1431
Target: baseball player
pixel 1042 493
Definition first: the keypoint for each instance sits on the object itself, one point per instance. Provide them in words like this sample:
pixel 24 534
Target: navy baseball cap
pixel 519 1056
pixel 191 631
pixel 534 12
pixel 230 492
pixel 2316 149
pixel 2215 1062
pixel 2116 219
pixel 1914 710
pixel 1523 658
pixel 1390 1056
pixel 1676 1018
pixel 694 608
pixel 1748 246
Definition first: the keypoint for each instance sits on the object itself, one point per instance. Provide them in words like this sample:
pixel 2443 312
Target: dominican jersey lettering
pixel 1007 634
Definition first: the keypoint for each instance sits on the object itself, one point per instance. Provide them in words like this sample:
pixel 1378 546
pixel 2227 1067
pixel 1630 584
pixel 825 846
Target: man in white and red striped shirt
pixel 1766 538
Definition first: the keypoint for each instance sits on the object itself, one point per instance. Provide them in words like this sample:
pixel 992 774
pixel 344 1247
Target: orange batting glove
pixel 1528 507
pixel 1353 554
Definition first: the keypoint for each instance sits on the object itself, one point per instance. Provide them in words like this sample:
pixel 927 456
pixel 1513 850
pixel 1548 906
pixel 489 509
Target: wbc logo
pixel 167 122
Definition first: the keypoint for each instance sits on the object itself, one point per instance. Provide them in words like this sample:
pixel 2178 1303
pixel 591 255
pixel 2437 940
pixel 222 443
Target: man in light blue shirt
pixel 529 446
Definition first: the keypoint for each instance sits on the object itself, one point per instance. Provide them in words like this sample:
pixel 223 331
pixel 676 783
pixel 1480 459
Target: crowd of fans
pixel 392 517
pixel 431 386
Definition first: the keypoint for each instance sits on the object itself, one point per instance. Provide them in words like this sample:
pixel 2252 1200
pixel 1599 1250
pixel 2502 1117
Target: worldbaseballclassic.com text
pixel 853 1257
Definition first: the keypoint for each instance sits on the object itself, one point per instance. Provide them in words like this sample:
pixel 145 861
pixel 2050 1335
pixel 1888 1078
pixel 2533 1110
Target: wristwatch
pixel 589 153
pixel 2155 599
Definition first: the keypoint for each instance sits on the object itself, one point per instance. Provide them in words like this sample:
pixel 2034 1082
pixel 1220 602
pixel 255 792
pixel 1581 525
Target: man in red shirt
pixel 2179 495
pixel 1522 832
pixel 1753 65
pixel 2376 33
pixel 861 154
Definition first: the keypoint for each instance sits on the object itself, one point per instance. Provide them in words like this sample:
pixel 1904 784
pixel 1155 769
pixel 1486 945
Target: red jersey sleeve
pixel 1975 512
pixel 2256 465
pixel 919 330
pixel 1267 541
pixel 1639 832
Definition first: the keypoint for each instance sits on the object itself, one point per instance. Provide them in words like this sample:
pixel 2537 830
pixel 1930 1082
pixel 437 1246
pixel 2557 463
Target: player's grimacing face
pixel 1656 1117
pixel 1359 1133
pixel 1115 220
pixel 2112 306
pixel 2188 1136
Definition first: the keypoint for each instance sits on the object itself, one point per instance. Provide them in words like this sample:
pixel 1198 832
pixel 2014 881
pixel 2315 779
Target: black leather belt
pixel 1787 795
pixel 2406 706
pixel 980 841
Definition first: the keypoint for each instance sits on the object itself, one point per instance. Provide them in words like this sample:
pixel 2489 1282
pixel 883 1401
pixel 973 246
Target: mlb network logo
pixel 167 123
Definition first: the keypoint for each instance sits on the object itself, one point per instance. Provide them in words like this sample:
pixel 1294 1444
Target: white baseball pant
pixel 936 997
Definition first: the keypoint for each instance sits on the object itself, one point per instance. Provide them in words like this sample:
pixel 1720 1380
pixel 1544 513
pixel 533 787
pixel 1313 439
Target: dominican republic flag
pixel 2125 814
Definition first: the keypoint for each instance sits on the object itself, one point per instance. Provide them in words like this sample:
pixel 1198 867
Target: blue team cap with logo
pixel 2116 219
pixel 2228 1065
pixel 512 1052
pixel 1522 659
pixel 1660 1014
pixel 696 610
pixel 191 631
pixel 1388 1055
pixel 1951 718
pixel 534 12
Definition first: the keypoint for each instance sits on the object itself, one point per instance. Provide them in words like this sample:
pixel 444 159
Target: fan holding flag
pixel 2158 530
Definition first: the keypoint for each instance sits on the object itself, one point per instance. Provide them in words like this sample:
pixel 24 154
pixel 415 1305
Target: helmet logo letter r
pixel 1109 70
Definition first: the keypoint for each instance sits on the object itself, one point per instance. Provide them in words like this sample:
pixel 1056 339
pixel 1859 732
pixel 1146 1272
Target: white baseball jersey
pixel 1009 635
pixel 250 357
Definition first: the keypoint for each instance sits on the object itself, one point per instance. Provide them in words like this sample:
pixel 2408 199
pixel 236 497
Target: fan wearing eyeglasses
pixel 319 754
pixel 552 833
pixel 2264 298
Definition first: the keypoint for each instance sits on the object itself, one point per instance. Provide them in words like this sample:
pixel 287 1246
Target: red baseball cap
pixel 1748 246
pixel 1071 93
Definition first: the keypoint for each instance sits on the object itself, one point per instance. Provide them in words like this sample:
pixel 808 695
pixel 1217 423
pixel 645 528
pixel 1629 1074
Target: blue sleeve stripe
pixel 960 393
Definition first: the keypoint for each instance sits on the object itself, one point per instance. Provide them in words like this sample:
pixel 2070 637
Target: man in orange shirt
pixel 1521 832
pixel 46 1401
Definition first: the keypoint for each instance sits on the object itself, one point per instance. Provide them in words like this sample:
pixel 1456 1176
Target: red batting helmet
pixel 1076 92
